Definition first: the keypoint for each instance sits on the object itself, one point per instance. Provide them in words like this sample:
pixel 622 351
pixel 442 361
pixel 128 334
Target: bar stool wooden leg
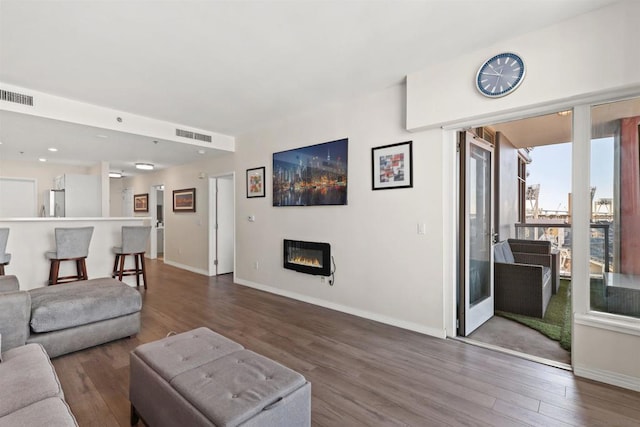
pixel 137 269
pixel 53 272
pixel 79 273
pixel 84 269
pixel 144 271
pixel 115 266
pixel 1 269
pixel 121 270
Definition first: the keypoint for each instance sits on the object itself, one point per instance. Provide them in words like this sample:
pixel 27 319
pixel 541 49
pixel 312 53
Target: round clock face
pixel 500 75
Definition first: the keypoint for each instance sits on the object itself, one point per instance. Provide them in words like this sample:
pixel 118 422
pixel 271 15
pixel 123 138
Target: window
pixel 615 208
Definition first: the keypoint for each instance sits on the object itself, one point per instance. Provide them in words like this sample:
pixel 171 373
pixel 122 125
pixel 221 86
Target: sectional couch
pixel 68 317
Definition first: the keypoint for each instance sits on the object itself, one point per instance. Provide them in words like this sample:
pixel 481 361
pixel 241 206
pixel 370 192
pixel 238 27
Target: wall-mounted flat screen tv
pixel 311 176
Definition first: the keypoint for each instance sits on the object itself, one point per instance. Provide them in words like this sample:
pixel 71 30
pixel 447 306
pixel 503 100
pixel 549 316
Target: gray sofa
pixel 30 393
pixel 67 317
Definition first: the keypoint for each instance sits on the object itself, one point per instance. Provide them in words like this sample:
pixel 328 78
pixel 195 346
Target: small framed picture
pixel 184 200
pixel 392 166
pixel 141 202
pixel 255 182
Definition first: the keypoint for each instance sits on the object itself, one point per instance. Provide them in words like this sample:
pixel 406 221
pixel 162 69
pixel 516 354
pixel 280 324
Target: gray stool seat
pixel 4 256
pixel 72 244
pixel 134 243
pixel 200 378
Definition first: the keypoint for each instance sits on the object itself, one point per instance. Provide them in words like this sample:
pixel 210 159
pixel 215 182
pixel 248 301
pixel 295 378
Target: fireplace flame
pixel 311 262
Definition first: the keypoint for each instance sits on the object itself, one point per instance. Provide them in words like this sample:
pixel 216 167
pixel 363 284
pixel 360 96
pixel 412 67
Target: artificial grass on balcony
pixel 556 323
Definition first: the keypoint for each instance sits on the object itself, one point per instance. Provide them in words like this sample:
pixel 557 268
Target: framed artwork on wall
pixel 141 202
pixel 184 200
pixel 391 166
pixel 255 182
pixel 311 176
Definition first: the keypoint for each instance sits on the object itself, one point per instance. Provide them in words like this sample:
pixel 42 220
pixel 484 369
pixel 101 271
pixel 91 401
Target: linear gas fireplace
pixel 307 257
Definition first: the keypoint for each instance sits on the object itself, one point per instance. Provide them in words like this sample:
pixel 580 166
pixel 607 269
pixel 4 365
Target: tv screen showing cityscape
pixel 310 176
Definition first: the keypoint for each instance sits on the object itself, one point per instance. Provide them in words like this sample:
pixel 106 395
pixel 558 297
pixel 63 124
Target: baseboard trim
pixel 411 326
pixel 613 378
pixel 186 267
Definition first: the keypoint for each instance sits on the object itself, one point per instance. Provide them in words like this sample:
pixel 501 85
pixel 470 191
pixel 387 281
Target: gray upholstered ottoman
pixel 74 316
pixel 200 378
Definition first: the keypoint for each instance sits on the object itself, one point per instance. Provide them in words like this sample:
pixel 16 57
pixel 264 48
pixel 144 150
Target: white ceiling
pixel 231 66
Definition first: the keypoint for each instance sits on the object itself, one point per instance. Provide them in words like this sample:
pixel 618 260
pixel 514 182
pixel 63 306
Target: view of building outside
pixel 615 206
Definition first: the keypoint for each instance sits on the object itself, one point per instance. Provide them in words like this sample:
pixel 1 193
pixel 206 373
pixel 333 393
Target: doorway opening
pixel 221 224
pixel 156 212
pixel 515 237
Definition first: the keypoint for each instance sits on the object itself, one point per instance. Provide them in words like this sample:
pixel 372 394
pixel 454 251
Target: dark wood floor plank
pixel 363 373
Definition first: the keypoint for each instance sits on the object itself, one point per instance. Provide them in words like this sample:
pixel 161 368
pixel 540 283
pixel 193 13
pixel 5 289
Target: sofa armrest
pixel 9 284
pixel 15 314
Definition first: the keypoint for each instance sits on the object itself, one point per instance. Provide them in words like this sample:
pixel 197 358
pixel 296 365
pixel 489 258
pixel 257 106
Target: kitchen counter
pixel 30 238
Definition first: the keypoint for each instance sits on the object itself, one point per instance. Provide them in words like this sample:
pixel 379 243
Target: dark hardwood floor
pixel 362 373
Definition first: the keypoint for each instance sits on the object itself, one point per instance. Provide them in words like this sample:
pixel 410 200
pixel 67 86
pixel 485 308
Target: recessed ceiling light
pixel 115 174
pixel 52 149
pixel 42 159
pixel 144 166
pixel 201 151
pixel 101 136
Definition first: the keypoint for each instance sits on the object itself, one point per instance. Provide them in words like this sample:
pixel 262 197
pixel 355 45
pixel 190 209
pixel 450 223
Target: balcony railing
pixel 560 236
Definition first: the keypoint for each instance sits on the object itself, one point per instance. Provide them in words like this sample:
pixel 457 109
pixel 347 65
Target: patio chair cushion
pixel 502 253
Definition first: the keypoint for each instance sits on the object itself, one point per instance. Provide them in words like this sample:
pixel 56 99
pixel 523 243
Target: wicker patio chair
pixel 544 247
pixel 522 281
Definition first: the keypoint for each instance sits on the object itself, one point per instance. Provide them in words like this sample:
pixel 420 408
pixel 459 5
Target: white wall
pixel 591 57
pixel 591 53
pixel 385 270
pixel 186 234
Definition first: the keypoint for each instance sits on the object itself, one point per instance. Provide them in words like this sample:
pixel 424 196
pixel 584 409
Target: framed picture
pixel 184 200
pixel 392 166
pixel 255 182
pixel 313 175
pixel 141 202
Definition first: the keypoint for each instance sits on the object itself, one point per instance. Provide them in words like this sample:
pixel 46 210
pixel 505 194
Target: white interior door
pixel 222 224
pixel 478 233
pixel 225 228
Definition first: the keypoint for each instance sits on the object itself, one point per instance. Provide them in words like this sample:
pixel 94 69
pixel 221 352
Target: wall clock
pixel 500 75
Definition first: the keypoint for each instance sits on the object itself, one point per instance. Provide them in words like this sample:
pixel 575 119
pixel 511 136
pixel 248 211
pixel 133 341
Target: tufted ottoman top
pixel 226 383
pixel 79 303
pixel 241 384
pixel 179 353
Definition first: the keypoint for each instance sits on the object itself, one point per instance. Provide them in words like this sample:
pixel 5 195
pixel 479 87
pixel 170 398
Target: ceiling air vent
pixel 193 135
pixel 16 97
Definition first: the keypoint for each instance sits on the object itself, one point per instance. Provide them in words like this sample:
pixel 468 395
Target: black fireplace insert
pixel 307 257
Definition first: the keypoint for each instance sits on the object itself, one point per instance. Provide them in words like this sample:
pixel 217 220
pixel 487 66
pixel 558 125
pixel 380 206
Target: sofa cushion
pixel 241 384
pixel 26 376
pixel 179 353
pixel 52 412
pixel 79 303
pixel 15 311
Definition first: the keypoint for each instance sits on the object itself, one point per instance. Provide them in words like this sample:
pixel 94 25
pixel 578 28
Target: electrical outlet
pixel 256 265
pixel 322 279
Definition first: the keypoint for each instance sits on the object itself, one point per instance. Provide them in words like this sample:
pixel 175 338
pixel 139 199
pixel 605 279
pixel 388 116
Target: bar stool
pixel 134 242
pixel 72 244
pixel 4 256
